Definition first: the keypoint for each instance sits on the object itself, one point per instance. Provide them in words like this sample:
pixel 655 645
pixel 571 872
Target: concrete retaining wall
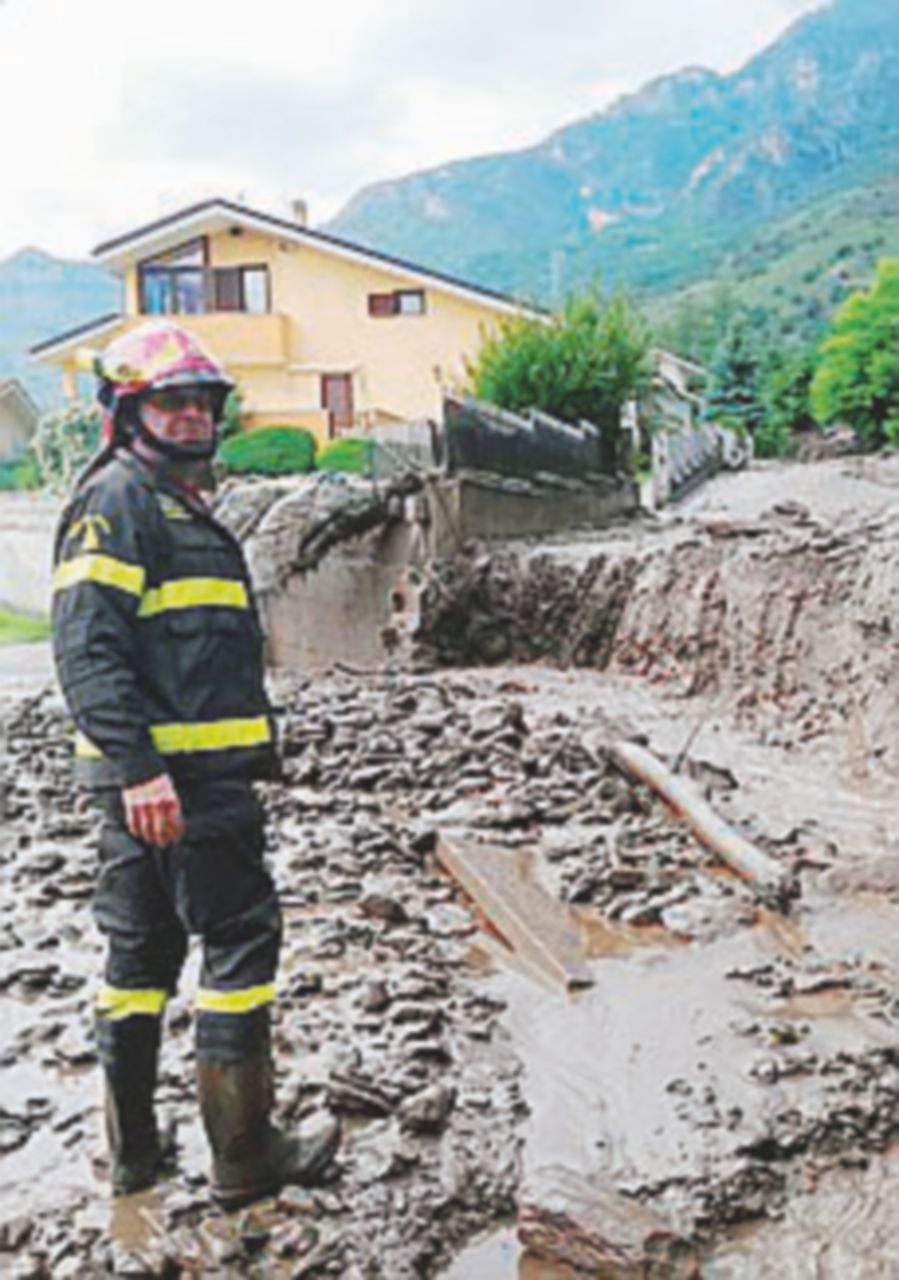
pixel 490 511
pixel 359 605
pixel 27 523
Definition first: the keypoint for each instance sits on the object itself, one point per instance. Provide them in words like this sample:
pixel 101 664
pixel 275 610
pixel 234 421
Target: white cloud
pixel 116 112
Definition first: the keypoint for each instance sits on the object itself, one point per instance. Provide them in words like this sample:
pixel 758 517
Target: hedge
pixel 347 454
pixel 269 451
pixel 22 474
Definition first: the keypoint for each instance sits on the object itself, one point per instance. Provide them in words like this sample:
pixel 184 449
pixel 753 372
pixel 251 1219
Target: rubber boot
pixel 251 1157
pixel 129 1053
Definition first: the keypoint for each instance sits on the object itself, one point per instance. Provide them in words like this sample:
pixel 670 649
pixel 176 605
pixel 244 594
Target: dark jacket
pixel 156 637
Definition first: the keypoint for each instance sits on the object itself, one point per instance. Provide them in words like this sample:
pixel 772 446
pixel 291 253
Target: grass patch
pixel 22 628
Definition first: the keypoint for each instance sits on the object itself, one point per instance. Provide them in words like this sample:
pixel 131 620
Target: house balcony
pixel 240 339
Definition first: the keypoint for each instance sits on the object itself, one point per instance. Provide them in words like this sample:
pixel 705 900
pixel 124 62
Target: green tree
pixel 734 392
pixel 698 321
pixel 583 363
pixel 857 380
pixel 786 377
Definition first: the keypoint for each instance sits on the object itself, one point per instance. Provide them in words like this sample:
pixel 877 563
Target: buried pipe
pixel 773 883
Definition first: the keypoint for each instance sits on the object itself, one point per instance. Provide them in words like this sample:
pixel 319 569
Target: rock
pixel 428 1112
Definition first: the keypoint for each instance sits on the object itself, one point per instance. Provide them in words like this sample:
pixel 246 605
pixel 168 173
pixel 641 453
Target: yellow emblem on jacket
pixel 90 529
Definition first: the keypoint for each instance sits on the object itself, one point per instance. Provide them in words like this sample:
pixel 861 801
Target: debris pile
pixel 288 526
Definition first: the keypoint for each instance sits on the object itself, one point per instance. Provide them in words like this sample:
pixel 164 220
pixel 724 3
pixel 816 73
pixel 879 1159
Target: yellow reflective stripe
pixel 85 749
pixel 187 593
pixel 103 569
pixel 235 1001
pixel 116 1002
pixel 210 735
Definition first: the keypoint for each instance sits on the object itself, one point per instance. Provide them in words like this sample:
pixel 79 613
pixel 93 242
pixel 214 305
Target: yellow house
pixel 318 332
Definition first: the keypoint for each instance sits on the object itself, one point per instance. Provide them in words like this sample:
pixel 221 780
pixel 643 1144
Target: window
pixel 241 289
pixel 255 290
pixel 174 283
pixel 402 302
pixel 182 283
pixel 410 302
pixel 382 304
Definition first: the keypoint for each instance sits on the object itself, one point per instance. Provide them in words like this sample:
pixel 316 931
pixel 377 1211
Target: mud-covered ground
pixel 726 1092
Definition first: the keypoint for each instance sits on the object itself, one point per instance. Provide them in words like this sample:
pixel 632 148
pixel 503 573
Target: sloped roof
pixel 13 387
pixel 90 329
pixel 219 214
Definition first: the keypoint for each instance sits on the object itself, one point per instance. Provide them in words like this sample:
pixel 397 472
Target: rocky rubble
pixel 380 1018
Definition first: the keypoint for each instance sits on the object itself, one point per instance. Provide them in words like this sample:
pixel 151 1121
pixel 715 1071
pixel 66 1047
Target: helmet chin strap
pixel 183 451
pixel 129 426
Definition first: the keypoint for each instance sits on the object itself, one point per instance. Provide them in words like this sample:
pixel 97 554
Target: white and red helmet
pixel 155 355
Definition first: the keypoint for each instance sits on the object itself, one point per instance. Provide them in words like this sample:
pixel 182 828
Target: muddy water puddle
pixel 677 1062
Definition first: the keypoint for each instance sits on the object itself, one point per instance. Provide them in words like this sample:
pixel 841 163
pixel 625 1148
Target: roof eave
pixel 63 343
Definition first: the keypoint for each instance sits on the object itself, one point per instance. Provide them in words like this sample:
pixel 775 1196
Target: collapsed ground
pixel 727 1059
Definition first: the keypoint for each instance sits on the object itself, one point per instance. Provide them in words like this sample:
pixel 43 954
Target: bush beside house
pixel 269 451
pixel 347 454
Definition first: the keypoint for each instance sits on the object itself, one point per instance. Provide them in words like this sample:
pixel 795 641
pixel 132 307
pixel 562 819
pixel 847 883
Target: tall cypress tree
pixel 734 392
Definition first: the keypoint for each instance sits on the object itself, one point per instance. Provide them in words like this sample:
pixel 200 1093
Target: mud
pixel 726 1092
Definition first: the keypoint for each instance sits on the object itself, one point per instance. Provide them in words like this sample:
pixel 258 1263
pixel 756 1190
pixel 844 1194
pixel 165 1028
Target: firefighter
pixel 158 649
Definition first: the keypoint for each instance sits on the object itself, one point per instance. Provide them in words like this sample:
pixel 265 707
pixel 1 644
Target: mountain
pixel 655 190
pixel 40 296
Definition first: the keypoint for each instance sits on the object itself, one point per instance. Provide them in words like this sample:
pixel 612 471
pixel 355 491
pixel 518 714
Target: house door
pixel 337 398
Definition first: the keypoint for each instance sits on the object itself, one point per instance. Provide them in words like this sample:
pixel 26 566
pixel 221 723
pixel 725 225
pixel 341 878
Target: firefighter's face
pixel 181 415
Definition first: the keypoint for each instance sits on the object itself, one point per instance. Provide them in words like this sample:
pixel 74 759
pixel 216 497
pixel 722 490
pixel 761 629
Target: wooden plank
pixel 535 925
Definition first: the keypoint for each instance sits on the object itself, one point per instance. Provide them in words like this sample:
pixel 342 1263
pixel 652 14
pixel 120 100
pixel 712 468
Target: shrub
pixel 63 443
pixel 772 439
pixel 585 362
pixel 232 418
pixel 347 454
pixel 269 451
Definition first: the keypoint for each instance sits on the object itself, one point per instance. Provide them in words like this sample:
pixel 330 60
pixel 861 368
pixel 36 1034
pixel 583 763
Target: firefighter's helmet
pixel 155 355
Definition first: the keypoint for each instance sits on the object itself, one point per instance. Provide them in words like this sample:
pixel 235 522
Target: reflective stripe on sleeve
pixel 188 593
pixel 106 570
pixel 208 735
pixel 116 1002
pixel 235 1001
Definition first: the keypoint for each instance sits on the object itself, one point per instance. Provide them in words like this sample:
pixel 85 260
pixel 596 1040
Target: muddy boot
pixel 129 1051
pixel 251 1158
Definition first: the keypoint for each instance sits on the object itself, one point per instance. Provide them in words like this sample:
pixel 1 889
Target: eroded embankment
pixel 787 620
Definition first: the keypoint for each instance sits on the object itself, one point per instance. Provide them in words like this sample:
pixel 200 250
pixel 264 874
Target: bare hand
pixel 153 811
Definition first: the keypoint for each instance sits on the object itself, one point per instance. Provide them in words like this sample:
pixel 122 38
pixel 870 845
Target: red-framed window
pixel 401 302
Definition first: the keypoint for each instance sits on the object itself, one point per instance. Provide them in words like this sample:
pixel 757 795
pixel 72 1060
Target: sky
pixel 116 112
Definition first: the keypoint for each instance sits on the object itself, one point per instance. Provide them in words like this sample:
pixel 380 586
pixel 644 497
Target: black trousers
pixel 212 883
